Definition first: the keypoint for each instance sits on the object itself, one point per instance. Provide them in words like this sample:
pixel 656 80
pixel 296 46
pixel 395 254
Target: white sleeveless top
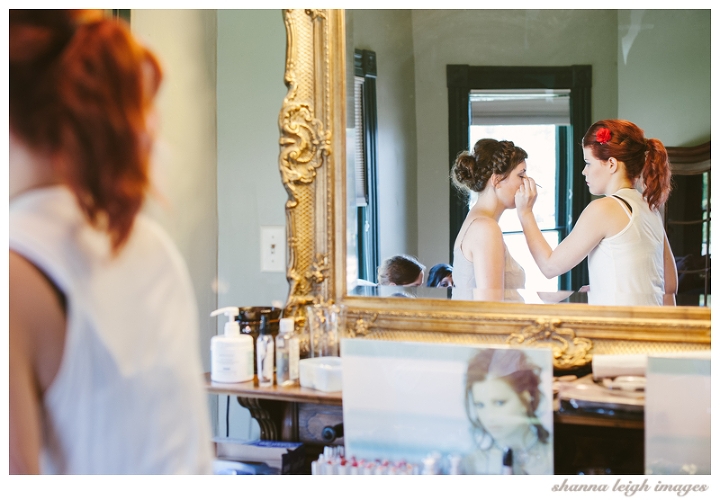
pixel 128 397
pixel 627 269
pixel 464 274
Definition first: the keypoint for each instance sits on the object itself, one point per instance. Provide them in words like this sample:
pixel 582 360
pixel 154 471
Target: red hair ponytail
pixel 656 174
pixel 642 157
pixel 80 90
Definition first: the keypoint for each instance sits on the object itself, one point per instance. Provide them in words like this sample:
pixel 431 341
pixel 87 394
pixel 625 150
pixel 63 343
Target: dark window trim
pixel 562 210
pixel 365 66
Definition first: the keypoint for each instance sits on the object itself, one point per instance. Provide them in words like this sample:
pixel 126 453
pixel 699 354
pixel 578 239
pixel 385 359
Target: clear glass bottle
pixel 265 350
pixel 287 354
pixel 326 324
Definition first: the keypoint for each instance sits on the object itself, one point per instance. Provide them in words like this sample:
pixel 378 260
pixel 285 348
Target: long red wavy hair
pixel 642 157
pixel 81 88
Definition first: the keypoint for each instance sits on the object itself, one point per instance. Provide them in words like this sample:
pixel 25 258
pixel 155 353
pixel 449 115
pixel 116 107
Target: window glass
pixel 539 141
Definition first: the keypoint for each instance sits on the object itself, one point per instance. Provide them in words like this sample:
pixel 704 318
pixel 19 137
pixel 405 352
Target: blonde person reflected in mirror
pixel 502 400
pixel 105 372
pixel 622 235
pixel 483 269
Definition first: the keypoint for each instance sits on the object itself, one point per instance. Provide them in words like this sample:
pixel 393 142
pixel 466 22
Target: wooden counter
pixel 289 394
pixel 597 421
pixel 286 413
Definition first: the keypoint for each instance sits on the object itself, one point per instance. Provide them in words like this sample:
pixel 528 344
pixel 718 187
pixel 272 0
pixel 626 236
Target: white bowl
pixel 322 374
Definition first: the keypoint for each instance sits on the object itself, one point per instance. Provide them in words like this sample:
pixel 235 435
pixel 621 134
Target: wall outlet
pixel 272 249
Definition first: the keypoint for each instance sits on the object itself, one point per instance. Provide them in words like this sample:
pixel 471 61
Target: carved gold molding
pixel 603 331
pixel 312 167
pixel 568 350
pixel 306 153
pixel 573 338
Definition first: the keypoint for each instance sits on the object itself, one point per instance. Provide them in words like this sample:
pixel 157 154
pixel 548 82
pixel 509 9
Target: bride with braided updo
pixel 483 269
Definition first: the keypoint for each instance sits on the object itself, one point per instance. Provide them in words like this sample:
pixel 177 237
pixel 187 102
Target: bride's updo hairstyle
pixel 626 142
pixel 472 170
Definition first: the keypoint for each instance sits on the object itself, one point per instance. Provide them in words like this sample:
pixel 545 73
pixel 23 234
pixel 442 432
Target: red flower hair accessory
pixel 603 135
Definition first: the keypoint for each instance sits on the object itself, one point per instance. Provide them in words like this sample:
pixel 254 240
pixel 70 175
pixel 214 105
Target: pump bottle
pixel 287 354
pixel 231 354
pixel 265 350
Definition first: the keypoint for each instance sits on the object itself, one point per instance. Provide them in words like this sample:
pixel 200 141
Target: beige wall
pixel 250 91
pixel 186 159
pixel 664 73
pixel 185 166
pixel 389 34
pixel 217 160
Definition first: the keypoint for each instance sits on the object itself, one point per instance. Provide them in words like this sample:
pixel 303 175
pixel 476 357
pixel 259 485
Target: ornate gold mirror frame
pixel 312 165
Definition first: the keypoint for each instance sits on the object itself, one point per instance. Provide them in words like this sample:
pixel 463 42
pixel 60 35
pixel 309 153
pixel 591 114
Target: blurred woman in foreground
pixel 105 373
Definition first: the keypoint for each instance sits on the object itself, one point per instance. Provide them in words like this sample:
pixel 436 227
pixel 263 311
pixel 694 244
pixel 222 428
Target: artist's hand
pixel 525 197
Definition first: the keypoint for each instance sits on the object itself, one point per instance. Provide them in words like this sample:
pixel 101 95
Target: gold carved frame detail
pixel 307 153
pixel 568 350
pixel 312 166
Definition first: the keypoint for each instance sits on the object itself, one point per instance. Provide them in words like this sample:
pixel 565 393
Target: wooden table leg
pixel 277 419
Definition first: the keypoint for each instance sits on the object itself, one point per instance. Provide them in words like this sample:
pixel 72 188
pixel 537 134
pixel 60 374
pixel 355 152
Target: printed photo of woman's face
pixel 476 406
pixel 499 408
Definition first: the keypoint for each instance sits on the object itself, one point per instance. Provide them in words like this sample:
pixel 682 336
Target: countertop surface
pixel 295 394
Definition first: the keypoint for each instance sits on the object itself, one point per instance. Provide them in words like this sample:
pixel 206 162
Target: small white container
pixel 322 374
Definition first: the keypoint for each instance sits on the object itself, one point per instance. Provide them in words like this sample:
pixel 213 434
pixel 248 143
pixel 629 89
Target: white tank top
pixel 627 269
pixel 128 397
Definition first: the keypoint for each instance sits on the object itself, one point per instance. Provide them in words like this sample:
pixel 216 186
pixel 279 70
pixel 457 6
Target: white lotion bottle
pixel 265 350
pixel 287 354
pixel 231 354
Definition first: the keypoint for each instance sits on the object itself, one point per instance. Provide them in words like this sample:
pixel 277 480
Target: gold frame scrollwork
pixel 568 349
pixel 307 153
pixel 312 167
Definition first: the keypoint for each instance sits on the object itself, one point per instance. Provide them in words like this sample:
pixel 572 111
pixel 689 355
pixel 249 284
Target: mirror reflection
pixel 404 133
pixel 524 296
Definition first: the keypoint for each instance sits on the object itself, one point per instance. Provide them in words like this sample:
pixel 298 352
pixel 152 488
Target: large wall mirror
pixel 399 60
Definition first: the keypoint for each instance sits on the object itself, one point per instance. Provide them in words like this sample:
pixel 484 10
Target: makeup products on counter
pixel 231 354
pixel 455 468
pixel 322 374
pixel 287 354
pixel 332 461
pixel 265 351
pixel 431 464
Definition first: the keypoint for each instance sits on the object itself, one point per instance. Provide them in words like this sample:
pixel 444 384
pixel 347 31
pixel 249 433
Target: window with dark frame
pixel 572 194
pixel 366 131
pixel 537 120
